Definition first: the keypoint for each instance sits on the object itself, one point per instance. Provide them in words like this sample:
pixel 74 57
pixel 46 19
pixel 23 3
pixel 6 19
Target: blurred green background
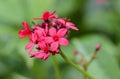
pixel 98 22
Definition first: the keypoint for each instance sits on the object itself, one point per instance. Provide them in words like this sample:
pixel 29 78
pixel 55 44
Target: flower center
pixel 55 38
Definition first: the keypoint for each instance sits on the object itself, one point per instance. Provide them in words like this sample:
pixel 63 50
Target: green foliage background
pixel 97 23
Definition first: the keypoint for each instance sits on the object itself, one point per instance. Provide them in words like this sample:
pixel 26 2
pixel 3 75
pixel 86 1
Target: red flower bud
pixel 98 46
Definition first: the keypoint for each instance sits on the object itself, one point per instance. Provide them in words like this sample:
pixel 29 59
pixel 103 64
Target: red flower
pixel 29 47
pixel 40 54
pixel 26 31
pixel 39 31
pixel 66 24
pixel 47 15
pixel 43 53
pixel 57 38
pixel 33 40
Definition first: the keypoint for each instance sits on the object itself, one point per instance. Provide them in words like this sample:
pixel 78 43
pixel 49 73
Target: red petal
pixel 63 41
pixel 61 32
pixel 42 45
pixel 71 25
pixel 54 46
pixel 29 47
pixel 46 28
pixel 23 33
pixel 49 39
pixel 46 15
pixel 52 32
pixel 42 55
pixel 38 54
pixel 52 16
pixel 40 31
pixel 62 21
pixel 46 56
pixel 34 54
pixel 33 37
pixel 25 25
pixel 53 12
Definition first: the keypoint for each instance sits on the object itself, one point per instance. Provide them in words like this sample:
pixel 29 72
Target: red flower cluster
pixel 48 35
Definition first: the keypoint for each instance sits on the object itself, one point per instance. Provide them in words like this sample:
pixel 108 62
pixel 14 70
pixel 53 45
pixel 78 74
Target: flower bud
pixel 98 47
pixel 75 52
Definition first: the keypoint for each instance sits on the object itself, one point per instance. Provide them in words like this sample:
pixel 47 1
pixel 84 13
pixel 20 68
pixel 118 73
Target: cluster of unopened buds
pixel 46 36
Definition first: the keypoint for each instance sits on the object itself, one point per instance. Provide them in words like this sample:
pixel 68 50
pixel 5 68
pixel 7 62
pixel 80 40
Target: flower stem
pixel 93 57
pixel 56 68
pixel 75 66
pixel 85 69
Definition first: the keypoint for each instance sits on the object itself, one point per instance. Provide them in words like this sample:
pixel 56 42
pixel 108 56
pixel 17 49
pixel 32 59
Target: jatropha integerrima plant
pixel 47 37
